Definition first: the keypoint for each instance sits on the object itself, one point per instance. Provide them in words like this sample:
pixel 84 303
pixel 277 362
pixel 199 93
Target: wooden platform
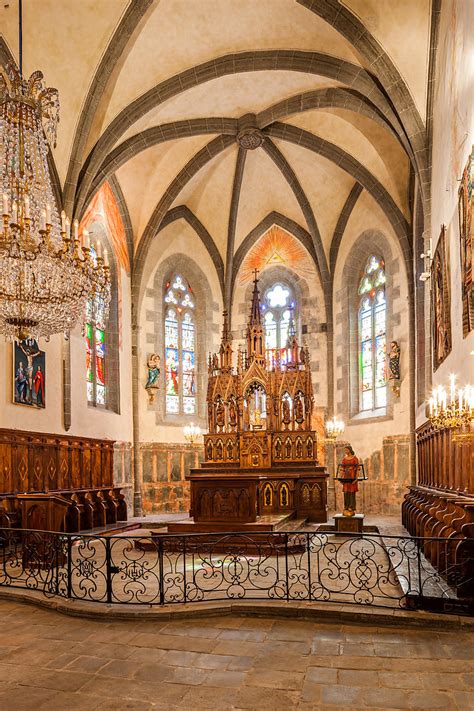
pixel 254 535
pixel 271 522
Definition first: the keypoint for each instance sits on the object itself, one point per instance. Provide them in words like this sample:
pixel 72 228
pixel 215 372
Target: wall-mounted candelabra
pixel 192 433
pixel 427 260
pixel 334 428
pixel 452 408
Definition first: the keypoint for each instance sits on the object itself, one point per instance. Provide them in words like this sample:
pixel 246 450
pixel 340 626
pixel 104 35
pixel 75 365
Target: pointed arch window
pixel 372 336
pixel 96 337
pixel 277 305
pixel 180 347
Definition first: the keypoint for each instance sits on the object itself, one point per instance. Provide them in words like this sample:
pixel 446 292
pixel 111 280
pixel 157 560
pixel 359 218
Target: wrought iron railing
pixel 162 569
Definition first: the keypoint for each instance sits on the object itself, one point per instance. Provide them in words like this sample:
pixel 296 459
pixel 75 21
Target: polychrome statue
pixel 349 468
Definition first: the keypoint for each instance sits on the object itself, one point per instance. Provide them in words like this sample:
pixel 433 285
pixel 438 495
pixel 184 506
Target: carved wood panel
pixel 34 462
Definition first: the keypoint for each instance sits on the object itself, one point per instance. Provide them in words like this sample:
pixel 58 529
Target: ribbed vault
pixel 169 107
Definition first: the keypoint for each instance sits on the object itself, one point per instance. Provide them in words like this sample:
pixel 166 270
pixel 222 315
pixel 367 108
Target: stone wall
pixel 123 472
pixel 164 467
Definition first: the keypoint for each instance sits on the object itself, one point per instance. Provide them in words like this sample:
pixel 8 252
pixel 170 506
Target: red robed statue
pixel 348 469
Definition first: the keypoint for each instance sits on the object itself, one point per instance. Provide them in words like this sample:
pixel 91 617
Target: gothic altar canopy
pixel 260 462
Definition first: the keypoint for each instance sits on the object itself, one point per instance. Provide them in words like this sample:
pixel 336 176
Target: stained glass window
pixel 372 336
pixel 95 349
pixel 180 347
pixel 277 306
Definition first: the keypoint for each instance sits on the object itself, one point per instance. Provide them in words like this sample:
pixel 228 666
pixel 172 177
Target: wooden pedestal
pixel 349 524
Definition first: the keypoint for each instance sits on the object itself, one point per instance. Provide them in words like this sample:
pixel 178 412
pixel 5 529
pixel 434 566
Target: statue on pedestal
pixel 349 468
pixel 394 367
pixel 153 366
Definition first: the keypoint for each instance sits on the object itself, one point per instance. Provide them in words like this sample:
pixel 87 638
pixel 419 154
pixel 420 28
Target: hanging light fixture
pixel 46 275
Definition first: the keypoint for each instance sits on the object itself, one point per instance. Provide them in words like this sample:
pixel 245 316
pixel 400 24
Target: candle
pixel 27 207
pixel 431 403
pixel 5 204
pixel 14 212
pixel 43 220
pixel 68 228
pixel 106 258
pixel 452 378
pixel 76 230
pixel 48 213
pixel 99 249
pixel 63 221
pixel 86 243
pixel 460 396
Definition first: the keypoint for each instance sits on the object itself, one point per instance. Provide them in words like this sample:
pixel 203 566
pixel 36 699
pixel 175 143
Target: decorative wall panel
pixel 164 468
pixel 34 462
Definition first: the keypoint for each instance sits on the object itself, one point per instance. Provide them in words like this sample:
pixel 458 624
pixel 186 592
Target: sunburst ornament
pixel 276 248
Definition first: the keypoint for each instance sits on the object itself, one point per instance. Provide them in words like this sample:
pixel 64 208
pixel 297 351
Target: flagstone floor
pixel 55 662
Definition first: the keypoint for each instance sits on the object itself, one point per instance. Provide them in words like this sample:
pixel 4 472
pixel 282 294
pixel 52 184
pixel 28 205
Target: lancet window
pixel 277 306
pixel 180 347
pixel 96 349
pixel 372 336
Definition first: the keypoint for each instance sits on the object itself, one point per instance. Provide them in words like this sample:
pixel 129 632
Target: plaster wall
pixel 453 139
pixel 87 421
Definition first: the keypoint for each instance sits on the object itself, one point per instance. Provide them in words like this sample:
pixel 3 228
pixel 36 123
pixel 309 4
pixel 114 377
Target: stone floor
pixel 55 662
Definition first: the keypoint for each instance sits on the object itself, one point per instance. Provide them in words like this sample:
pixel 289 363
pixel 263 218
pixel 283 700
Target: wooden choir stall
pixel 57 483
pixel 441 505
pixel 260 468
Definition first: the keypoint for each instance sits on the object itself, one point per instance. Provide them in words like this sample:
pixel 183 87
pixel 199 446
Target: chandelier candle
pixel 45 279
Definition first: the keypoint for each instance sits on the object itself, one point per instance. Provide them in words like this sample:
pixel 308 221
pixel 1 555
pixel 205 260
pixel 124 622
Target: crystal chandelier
pixel 46 275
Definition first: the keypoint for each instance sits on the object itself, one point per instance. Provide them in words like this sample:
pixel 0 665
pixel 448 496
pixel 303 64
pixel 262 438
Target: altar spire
pixel 225 351
pixel 255 339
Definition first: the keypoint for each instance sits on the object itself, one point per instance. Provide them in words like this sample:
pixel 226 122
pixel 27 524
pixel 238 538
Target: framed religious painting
pixel 466 234
pixel 29 374
pixel 440 302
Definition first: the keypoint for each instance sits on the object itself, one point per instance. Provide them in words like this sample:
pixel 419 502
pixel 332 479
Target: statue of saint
pixel 394 361
pixel 220 414
pixel 278 449
pixel 232 413
pixel 257 419
pixel 153 365
pixel 286 412
pixel 350 468
pixel 393 375
pixel 299 409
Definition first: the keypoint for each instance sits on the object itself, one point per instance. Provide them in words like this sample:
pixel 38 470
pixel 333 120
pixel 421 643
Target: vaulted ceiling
pixel 236 109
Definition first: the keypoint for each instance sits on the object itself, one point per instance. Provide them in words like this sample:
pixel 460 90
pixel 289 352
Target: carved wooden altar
pixel 260 462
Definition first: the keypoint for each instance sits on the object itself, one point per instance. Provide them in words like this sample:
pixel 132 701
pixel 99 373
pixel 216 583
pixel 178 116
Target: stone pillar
pixel 137 468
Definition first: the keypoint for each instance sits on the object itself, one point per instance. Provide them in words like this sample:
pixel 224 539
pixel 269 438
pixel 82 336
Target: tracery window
pixel 277 305
pixel 372 336
pixel 180 347
pixel 96 349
